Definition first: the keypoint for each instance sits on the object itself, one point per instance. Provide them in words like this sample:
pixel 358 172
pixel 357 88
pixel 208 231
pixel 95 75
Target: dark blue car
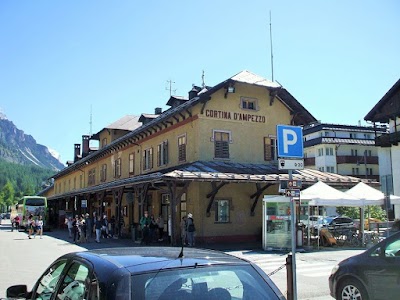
pixel 373 274
pixel 158 273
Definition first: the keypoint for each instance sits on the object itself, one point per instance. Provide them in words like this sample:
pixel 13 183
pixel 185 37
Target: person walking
pixel 153 227
pixel 190 230
pixel 76 231
pixel 39 226
pixel 31 226
pixel 112 226
pixel 16 222
pixel 144 224
pixel 97 225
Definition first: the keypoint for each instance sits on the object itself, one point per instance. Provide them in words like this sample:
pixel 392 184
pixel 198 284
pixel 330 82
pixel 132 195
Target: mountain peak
pixel 20 148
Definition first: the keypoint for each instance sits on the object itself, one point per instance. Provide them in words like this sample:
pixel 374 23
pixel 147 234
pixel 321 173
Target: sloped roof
pixel 251 78
pixel 218 171
pixel 128 122
pixel 387 107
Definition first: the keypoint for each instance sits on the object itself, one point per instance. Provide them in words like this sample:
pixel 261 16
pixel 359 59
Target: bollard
pixel 289 277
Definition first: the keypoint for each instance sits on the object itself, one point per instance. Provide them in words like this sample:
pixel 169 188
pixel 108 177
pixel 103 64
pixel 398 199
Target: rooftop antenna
pixel 90 121
pixel 203 84
pixel 170 82
pixel 270 39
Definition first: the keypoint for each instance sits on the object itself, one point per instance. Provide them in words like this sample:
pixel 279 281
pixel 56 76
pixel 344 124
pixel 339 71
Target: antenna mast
pixel 203 84
pixel 270 39
pixel 90 121
pixel 170 82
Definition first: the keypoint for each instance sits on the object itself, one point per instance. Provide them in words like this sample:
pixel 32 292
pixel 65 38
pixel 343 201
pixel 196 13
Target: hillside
pixel 20 148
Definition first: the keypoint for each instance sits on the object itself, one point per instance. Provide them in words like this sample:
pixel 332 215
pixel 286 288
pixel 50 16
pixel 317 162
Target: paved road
pixel 23 260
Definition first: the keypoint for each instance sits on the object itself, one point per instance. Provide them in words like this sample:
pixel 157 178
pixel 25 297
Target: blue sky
pixel 60 61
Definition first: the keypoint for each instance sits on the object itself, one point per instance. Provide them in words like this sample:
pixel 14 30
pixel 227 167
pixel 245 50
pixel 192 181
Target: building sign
pixel 228 115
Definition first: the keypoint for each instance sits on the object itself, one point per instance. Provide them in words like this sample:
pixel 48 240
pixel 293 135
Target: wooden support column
pixel 117 194
pixel 212 194
pixel 100 197
pixel 175 197
pixel 256 196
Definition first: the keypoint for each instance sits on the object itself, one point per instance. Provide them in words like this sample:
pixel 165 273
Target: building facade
pixel 342 149
pixel 387 111
pixel 211 154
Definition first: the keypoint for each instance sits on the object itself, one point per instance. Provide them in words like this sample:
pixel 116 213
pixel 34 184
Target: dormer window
pixel 248 103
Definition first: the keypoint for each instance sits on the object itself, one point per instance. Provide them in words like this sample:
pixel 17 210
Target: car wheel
pixel 351 289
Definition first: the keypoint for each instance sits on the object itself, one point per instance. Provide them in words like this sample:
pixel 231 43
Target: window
pixel 222 211
pixel 368 171
pixel 103 173
pixel 148 159
pixel 322 169
pixel 353 135
pixel 353 152
pixel 355 171
pixel 182 148
pixel 269 149
pixel 221 144
pixel 330 169
pixel 162 154
pixel 48 282
pixel 81 181
pixel 131 163
pixel 92 177
pixel 367 136
pixel 248 103
pixel 74 183
pixel 320 152
pixel 369 152
pixel 103 142
pixel 328 151
pixel 117 168
pixel 75 283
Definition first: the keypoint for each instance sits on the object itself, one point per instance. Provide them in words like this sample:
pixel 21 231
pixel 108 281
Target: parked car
pixel 335 224
pixel 373 274
pixel 159 273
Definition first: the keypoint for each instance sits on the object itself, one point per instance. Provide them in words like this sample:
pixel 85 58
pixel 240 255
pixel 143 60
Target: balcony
pixel 387 140
pixel 348 159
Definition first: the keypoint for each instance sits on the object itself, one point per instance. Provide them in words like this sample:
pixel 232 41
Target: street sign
pixel 290 141
pixel 294 184
pixel 292 193
pixel 291 164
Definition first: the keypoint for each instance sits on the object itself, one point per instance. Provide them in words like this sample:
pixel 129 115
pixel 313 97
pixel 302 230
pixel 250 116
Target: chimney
pixel 193 92
pixel 158 111
pixel 77 152
pixel 85 145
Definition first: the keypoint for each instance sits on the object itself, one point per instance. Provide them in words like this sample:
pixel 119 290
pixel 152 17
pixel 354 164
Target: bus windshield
pixel 34 202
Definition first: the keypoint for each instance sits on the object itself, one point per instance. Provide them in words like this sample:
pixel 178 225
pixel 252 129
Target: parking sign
pixel 290 141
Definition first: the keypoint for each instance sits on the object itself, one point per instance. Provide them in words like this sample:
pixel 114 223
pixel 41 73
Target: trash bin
pixel 299 235
pixel 133 232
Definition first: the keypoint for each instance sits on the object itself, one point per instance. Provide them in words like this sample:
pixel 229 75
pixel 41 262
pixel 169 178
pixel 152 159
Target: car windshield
pixel 325 221
pixel 210 282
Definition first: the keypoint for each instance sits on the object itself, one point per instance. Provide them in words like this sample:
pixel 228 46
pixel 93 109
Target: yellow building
pixel 211 154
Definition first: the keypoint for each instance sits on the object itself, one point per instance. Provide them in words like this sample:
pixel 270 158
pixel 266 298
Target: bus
pixel 35 205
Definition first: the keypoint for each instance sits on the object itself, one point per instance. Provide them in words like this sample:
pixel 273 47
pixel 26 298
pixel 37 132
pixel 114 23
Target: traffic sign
pixel 291 164
pixel 290 141
pixel 292 193
pixel 293 184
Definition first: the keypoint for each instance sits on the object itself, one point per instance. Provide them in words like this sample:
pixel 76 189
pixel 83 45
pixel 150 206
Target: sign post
pixel 290 145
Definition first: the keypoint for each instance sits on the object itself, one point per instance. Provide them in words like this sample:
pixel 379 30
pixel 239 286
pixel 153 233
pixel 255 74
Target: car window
pixel 48 282
pixel 211 282
pixel 75 283
pixel 393 249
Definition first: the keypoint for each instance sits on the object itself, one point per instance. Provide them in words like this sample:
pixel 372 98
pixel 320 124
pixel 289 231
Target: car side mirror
pixel 17 291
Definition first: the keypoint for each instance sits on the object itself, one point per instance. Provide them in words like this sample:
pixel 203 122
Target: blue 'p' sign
pixel 290 141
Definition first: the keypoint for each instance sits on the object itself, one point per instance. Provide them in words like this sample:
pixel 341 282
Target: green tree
pixel 371 211
pixel 8 194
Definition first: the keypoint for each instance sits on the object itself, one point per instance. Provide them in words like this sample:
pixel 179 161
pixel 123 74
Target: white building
pixel 387 111
pixel 342 149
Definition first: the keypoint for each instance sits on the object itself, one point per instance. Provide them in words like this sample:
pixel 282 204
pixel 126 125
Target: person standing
pixel 16 222
pixel 89 226
pixel 190 230
pixel 160 225
pixel 153 227
pixel 68 221
pixel 183 230
pixel 112 226
pixel 39 226
pixel 144 224
pixel 97 225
